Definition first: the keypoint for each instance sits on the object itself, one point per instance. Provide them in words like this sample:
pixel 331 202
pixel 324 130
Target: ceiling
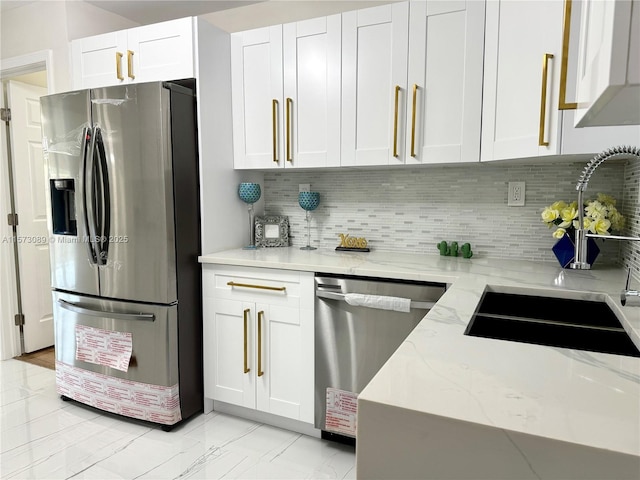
pixel 153 11
pixel 228 15
pixel 145 12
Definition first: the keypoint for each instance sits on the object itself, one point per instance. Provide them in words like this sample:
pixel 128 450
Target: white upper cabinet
pixel 531 64
pixel 312 92
pixel 609 63
pixel 523 42
pixel 589 140
pixel 446 40
pixel 286 95
pixel 162 51
pixel 256 97
pixel 374 85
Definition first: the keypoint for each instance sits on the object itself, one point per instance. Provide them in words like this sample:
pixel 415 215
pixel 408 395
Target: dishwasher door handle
pixel 341 297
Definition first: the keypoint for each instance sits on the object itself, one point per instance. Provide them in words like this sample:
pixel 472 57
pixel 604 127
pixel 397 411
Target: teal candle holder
pixel 309 201
pixel 250 193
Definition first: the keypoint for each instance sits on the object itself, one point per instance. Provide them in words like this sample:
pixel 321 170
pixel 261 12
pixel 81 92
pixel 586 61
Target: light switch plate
pixel 304 187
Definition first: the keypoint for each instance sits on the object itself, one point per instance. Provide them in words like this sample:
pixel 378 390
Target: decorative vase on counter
pixel 250 193
pixel 309 201
pixel 564 250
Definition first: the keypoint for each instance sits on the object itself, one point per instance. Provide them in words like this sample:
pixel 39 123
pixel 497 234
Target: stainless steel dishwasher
pixel 352 341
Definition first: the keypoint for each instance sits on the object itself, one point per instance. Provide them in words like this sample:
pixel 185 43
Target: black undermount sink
pixel 556 322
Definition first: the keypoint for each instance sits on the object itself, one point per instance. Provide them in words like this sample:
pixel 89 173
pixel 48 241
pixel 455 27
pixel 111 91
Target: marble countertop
pixel 570 395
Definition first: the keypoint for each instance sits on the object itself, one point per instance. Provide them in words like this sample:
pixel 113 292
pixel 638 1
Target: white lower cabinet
pixel 258 339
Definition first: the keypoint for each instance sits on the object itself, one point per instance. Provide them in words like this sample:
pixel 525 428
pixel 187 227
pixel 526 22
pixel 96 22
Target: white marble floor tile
pixel 43 437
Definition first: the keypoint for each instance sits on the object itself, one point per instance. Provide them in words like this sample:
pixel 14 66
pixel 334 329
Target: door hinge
pixel 5 114
pixel 19 319
pixel 12 219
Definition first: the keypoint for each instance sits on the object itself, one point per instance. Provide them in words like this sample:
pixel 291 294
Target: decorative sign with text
pixel 352 244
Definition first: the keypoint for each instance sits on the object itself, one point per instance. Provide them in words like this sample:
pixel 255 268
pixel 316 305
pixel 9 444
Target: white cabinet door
pixel 228 348
pixel 100 60
pixel 520 105
pixel 162 51
pixel 446 41
pixel 284 338
pixel 256 76
pixel 312 92
pixel 374 85
pixel 609 63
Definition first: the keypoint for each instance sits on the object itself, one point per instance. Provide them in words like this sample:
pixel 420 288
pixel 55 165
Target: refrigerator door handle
pixel 103 211
pixel 72 307
pixel 86 188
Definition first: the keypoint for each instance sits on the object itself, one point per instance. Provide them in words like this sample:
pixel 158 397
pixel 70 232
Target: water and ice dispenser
pixel 63 206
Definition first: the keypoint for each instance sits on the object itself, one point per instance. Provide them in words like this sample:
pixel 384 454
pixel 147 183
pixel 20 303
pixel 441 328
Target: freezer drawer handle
pixel 341 297
pixel 72 307
pixel 262 287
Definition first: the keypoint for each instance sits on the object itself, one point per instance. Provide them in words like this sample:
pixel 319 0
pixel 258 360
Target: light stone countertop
pixel 581 397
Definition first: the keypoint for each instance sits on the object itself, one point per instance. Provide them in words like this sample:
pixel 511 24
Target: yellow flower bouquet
pixel 600 216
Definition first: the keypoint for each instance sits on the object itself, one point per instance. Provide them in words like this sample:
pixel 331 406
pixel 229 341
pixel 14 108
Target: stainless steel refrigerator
pixel 124 239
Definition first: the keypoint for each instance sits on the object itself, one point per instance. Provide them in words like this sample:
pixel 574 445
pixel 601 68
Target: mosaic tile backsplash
pixel 412 209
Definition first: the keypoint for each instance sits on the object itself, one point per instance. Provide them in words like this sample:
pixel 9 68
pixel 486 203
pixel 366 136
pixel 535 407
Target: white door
pixel 162 51
pixel 446 41
pixel 256 96
pixel 229 349
pixel 519 118
pixel 280 388
pixel 99 61
pixel 31 206
pixel 312 92
pixel 374 85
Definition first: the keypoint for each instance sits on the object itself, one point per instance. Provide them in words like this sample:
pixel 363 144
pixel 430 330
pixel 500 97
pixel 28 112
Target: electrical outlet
pixel 516 194
pixel 304 187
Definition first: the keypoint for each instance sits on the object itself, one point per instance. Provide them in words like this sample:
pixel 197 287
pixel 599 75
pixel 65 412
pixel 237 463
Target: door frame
pixel 10 341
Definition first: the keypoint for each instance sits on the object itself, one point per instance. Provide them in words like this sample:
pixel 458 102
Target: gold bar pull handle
pixel 260 316
pixel 274 120
pixel 413 121
pixel 395 122
pixel 262 287
pixel 245 314
pixel 289 132
pixel 119 66
pixel 130 65
pixel 566 33
pixel 543 100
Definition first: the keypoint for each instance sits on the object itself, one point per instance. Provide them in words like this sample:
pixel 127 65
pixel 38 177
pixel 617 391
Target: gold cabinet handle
pixel 413 121
pixel 543 100
pixel 246 363
pixel 262 287
pixel 130 65
pixel 289 132
pixel 260 315
pixel 395 123
pixel 274 115
pixel 566 33
pixel 119 66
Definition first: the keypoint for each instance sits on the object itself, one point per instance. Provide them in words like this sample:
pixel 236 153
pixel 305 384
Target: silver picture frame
pixel 272 231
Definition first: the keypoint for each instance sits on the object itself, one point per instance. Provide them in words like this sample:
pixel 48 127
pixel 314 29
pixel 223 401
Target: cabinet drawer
pixel 260 285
